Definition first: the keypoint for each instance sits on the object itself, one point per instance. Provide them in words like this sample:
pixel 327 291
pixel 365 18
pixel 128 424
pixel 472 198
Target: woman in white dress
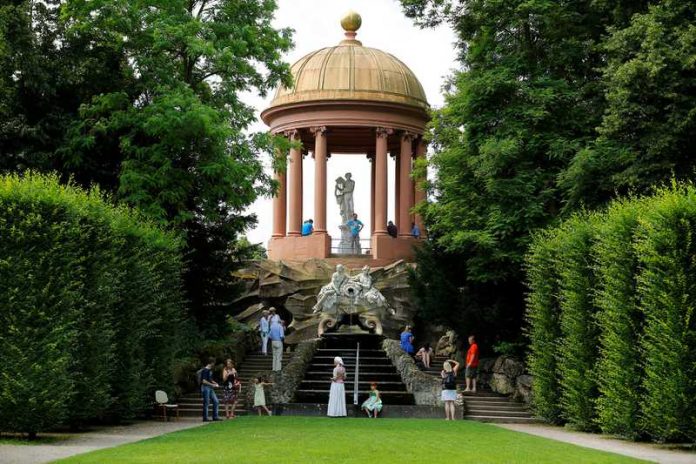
pixel 337 395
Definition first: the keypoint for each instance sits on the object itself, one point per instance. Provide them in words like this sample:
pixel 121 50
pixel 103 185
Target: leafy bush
pixel 91 306
pixel 578 347
pixel 620 320
pixel 619 288
pixel 543 327
pixel 667 290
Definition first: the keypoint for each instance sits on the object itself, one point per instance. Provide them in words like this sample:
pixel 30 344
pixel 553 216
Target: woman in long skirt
pixel 337 395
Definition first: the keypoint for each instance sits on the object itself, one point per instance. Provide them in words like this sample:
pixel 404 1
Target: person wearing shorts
pixel 472 362
pixel 449 386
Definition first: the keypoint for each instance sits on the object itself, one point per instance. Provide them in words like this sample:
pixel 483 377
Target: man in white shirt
pixel 264 328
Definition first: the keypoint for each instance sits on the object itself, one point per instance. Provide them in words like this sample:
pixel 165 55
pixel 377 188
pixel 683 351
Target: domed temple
pixel 355 100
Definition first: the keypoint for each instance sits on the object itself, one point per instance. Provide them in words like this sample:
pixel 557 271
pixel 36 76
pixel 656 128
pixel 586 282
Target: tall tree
pixel 527 99
pixel 143 98
pixel 648 131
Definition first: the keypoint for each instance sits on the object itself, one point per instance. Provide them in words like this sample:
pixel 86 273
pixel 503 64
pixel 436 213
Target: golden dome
pixel 350 71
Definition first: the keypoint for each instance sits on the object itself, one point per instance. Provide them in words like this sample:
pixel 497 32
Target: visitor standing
pixel 407 341
pixel 392 230
pixel 260 396
pixel 337 394
pixel 415 230
pixel 472 362
pixel 231 387
pixel 373 404
pixel 449 386
pixel 273 316
pixel 355 227
pixel 425 354
pixel 307 227
pixel 277 335
pixel 207 390
pixel 264 328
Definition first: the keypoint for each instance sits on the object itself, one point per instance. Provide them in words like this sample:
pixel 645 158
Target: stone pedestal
pixel 388 247
pixel 300 248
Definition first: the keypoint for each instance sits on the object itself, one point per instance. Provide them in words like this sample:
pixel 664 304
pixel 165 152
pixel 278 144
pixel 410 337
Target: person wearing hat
pixel 337 394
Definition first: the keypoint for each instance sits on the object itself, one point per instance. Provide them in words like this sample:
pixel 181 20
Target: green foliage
pixel 619 370
pixel 543 325
pixel 143 99
pixel 623 280
pixel 91 306
pixel 649 126
pixel 577 351
pixel 526 100
pixel 478 307
pixel 667 291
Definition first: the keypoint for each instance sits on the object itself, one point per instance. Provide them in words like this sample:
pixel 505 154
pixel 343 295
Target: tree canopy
pixel 556 106
pixel 143 99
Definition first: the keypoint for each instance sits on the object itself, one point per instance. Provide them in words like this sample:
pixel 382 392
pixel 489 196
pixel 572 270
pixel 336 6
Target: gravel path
pixel 649 452
pixel 94 439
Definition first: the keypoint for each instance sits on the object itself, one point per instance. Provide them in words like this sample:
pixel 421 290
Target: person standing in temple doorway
pixel 472 362
pixel 355 227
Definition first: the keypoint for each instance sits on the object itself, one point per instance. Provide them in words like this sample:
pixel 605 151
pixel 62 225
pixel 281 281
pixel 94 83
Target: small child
pixel 373 404
pixel 260 396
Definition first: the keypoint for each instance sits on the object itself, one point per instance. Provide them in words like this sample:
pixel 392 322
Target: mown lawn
pixel 303 440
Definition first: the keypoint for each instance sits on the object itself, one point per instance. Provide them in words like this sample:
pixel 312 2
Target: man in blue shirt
pixel 207 386
pixel 277 335
pixel 307 227
pixel 355 227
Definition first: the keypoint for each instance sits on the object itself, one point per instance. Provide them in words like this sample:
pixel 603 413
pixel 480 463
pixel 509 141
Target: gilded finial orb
pixel 351 21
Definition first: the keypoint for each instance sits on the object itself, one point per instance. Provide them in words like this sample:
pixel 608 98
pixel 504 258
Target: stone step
pixel 319 384
pixel 494 405
pixel 501 419
pixel 327 351
pixel 322 395
pixel 324 373
pixel 497 413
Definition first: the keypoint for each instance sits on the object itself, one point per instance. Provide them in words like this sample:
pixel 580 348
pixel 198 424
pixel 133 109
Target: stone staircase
pixel 191 404
pixel 375 366
pixel 485 405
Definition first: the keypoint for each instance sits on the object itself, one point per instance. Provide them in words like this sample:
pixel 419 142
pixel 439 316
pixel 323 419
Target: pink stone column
pixel 279 206
pixel 405 185
pixel 380 197
pixel 397 190
pixel 420 194
pixel 319 180
pixel 372 193
pixel 295 188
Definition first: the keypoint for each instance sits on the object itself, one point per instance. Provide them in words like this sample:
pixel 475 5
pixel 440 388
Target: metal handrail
pixel 357 374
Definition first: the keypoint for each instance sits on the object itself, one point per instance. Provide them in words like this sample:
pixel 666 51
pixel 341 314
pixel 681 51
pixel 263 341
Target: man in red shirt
pixel 472 361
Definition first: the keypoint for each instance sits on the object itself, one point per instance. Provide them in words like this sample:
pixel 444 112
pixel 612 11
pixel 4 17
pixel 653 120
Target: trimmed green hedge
pixel 543 326
pixel 91 307
pixel 611 318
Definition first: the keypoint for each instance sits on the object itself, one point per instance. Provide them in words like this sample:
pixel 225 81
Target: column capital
pixel 408 136
pixel 383 132
pixel 318 130
pixel 292 134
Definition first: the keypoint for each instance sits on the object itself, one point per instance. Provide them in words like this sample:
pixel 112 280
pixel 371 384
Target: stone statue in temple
pixel 343 191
